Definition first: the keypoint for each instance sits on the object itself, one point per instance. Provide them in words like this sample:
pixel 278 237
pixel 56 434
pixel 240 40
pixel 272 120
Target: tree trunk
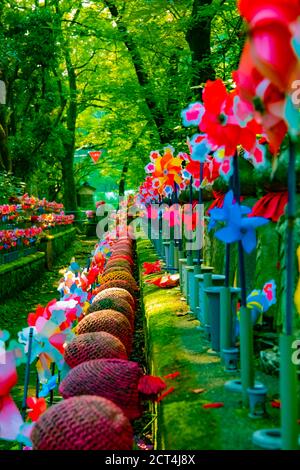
pixel 198 38
pixel 122 183
pixel 141 73
pixel 5 160
pixel 70 197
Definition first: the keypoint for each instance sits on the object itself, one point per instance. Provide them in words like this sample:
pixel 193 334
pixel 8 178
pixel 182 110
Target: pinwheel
pixel 222 212
pixel 271 26
pixel 49 336
pixel 192 115
pixel 150 268
pixel 271 206
pixel 265 101
pixel 10 417
pixel 166 281
pixel 238 228
pixel 165 170
pixel 259 302
pixel 36 407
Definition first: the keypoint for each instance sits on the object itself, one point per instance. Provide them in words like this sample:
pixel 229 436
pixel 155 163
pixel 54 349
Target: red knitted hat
pixel 120 305
pixel 95 345
pixel 115 380
pixel 122 382
pixel 115 293
pixel 83 423
pixel 112 322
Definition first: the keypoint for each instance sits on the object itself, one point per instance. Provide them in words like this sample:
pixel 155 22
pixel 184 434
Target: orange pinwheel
pixel 165 170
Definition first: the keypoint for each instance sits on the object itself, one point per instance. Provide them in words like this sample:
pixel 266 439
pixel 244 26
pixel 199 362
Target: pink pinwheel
pixel 10 417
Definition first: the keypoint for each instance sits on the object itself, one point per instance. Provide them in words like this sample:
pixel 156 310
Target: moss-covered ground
pixel 175 344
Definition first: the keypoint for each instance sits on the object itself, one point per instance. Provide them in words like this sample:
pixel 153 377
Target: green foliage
pixel 120 72
pixel 9 186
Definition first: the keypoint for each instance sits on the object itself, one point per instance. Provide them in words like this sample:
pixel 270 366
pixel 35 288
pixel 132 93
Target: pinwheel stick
pixel 227 264
pixel 200 200
pixel 228 253
pixel 27 374
pixel 288 370
pixel 52 391
pixel 237 193
pixel 290 245
pixel 190 252
pixel 246 333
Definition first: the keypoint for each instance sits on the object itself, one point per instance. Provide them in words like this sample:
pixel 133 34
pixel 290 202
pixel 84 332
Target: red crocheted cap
pixel 115 293
pixel 114 379
pixel 127 285
pixel 97 345
pixel 120 305
pixel 83 423
pixel 112 322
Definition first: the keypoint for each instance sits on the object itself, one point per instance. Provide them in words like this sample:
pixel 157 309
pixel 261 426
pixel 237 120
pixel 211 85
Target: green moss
pixel 21 262
pixel 20 274
pixel 174 344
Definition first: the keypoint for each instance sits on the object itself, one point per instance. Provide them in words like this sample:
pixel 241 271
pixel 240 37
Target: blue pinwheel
pixel 223 214
pixel 47 387
pixel 238 228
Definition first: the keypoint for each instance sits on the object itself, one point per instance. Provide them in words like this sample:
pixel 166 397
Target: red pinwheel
pixel 266 101
pixel 220 123
pixel 36 407
pixel 270 39
pixel 165 281
pixel 271 206
pixel 150 268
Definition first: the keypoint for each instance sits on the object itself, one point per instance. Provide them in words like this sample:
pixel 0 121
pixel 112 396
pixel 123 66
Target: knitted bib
pixel 112 322
pixel 83 423
pixel 95 345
